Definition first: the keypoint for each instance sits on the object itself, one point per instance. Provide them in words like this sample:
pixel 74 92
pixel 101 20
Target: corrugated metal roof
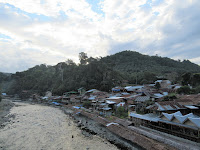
pixel 106 108
pixel 149 117
pixel 196 121
pixel 142 98
pixel 110 102
pixel 166 105
pixel 191 107
pixel 182 118
pixel 132 88
pixel 168 116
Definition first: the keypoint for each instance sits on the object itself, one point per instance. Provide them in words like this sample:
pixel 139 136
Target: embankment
pixel 5 106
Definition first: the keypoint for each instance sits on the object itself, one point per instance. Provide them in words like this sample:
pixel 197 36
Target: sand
pixel 37 127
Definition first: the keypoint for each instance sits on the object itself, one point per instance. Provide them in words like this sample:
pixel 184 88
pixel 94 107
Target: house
pixel 106 111
pixel 131 89
pixel 185 126
pixel 117 89
pixel 191 102
pixel 164 83
pixel 3 94
pixel 74 99
pixel 193 99
pixel 81 91
pixel 106 108
pixel 165 106
pixel 48 94
pixel 92 91
pixel 70 93
pixel 141 103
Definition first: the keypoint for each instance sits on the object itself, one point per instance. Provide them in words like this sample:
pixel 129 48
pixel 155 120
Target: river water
pixel 37 127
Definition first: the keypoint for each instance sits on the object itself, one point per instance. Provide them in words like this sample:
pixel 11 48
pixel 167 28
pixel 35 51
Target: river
pixel 37 127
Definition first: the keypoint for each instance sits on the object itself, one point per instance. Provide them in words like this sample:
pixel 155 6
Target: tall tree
pixel 83 58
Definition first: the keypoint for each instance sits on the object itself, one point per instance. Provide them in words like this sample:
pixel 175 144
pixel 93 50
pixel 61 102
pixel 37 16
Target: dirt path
pixel 38 127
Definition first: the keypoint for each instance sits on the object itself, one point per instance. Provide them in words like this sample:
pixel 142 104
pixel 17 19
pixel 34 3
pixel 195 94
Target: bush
pixel 0 98
pixel 157 85
pixel 87 104
pixel 197 89
pixel 184 90
pixel 121 112
pixel 170 97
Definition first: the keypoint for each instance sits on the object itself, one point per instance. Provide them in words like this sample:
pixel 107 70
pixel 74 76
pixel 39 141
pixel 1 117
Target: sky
pixel 34 32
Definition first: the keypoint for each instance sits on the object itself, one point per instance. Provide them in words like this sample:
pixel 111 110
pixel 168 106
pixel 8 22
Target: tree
pixel 196 79
pixel 87 104
pixel 121 112
pixel 184 90
pixel 186 78
pixel 70 62
pixel 83 58
pixel 170 97
pixel 157 85
pixel 0 94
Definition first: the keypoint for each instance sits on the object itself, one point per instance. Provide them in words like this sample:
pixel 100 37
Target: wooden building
pixel 185 126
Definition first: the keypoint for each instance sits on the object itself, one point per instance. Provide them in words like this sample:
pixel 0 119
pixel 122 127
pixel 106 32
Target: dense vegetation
pixel 99 73
pixel 145 67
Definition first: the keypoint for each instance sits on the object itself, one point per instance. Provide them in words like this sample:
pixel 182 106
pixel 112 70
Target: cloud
pixel 50 31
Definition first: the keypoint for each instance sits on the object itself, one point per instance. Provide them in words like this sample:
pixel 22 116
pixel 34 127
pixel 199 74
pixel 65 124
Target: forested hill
pixel 126 67
pixel 130 61
pixel 4 77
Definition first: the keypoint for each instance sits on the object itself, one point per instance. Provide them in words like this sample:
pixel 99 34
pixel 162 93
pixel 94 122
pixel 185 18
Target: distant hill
pixel 131 61
pixel 127 67
pixel 4 76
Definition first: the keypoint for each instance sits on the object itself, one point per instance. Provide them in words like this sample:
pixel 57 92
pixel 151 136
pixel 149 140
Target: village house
pixel 165 106
pixel 81 91
pixel 133 89
pixel 185 126
pixel 117 89
pixel 164 83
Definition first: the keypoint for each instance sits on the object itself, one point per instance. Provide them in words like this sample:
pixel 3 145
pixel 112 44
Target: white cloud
pixel 39 33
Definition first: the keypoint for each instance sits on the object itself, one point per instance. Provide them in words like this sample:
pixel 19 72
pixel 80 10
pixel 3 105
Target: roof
pixel 158 81
pixel 112 123
pixel 191 107
pixel 123 122
pixel 92 98
pixel 92 90
pixel 181 119
pixel 163 81
pixel 193 99
pixel 114 97
pixel 110 102
pixel 121 104
pixel 106 108
pixel 166 105
pixel 133 88
pixel 142 98
pixel 158 95
pixel 149 117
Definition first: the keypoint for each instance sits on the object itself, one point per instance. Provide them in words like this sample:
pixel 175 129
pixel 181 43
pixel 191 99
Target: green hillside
pixel 123 68
pixel 130 61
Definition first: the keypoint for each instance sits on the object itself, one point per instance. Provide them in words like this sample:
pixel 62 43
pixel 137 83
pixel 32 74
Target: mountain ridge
pixel 99 73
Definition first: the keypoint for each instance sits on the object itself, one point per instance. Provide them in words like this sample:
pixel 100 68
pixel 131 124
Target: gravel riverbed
pixel 37 127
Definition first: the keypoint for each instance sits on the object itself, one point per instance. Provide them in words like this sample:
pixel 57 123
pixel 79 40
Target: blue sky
pixel 33 32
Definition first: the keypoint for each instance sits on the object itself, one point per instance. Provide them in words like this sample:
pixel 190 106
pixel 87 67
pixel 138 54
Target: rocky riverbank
pixel 121 136
pixel 5 106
